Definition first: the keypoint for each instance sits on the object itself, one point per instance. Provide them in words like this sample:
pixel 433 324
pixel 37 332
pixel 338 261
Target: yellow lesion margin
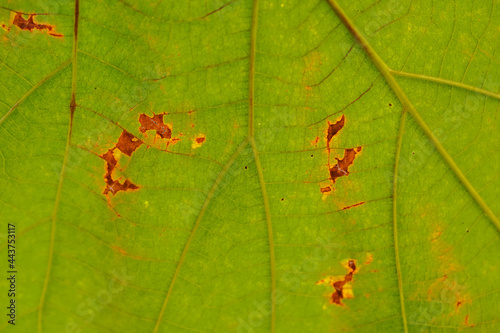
pixel 408 108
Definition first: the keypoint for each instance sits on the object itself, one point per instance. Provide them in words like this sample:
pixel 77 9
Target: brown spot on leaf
pixel 198 141
pixel 341 285
pixel 355 205
pixel 466 322
pixel 127 144
pixel 115 186
pixel 155 123
pixel 325 189
pixel 30 25
pixel 342 167
pixel 334 128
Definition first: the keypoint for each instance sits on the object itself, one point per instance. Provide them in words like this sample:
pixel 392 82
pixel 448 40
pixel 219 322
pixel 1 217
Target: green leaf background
pixel 234 235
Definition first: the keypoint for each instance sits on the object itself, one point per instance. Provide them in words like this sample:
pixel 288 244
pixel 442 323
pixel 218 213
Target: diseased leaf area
pixel 251 166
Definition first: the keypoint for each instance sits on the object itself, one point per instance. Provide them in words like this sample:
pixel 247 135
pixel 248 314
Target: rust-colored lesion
pixel 342 285
pixel 198 141
pixel 156 123
pixel 127 144
pixel 467 323
pixel 325 189
pixel 342 167
pixel 30 25
pixel 355 205
pixel 333 129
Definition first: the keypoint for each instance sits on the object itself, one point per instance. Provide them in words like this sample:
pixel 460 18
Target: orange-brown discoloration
pixel 155 123
pixel 315 141
pixel 198 141
pixel 341 285
pixel 119 249
pixel 325 189
pixel 127 144
pixel 333 129
pixel 30 25
pixel 369 258
pixel 466 322
pixel 355 205
pixel 342 167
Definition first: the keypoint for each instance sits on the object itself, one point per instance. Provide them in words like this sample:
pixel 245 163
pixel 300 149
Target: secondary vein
pixel 447 82
pixel 35 87
pixel 251 134
pixel 408 107
pixel 195 229
pixel 251 79
pixel 72 107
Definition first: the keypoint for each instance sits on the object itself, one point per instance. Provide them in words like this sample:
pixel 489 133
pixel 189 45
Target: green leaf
pixel 250 166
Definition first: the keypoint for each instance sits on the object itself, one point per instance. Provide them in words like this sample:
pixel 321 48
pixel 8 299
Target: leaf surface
pixel 251 166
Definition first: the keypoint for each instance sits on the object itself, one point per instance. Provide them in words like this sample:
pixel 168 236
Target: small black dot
pixel 467 230
pixel 312 155
pixel 390 104
pixel 282 199
pixel 246 167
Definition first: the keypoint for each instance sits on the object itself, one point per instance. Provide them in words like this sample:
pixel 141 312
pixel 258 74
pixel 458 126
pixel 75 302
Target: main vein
pixel 251 136
pixel 72 107
pixel 195 228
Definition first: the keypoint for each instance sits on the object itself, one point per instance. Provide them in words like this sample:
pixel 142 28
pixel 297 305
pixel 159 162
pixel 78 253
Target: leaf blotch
pixel 30 25
pixel 198 141
pixel 334 128
pixel 342 167
pixel 325 189
pixel 155 123
pixel 341 285
pixel 127 144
